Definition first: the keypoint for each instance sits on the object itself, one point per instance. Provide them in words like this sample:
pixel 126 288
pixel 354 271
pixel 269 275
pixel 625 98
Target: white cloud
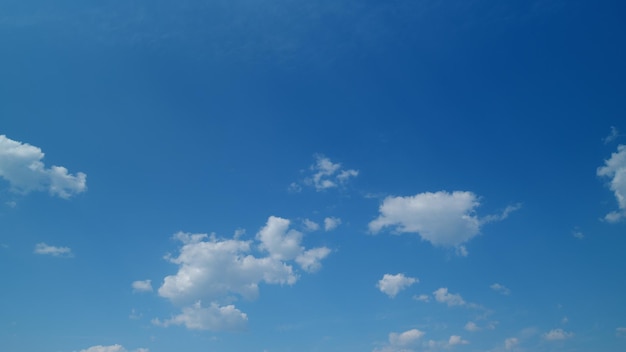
pixel 471 326
pixel 621 331
pixel 500 288
pixel 326 174
pixel 406 338
pixel 511 343
pixel 42 248
pixel 213 269
pixel 442 218
pixel 391 285
pixel 422 298
pixel 578 234
pixel 401 342
pixel 310 225
pixel 331 223
pixel 21 166
pixel 111 348
pixel 142 286
pixel 456 340
pixel 615 168
pixel 221 270
pixel 214 317
pixel 283 243
pixel 442 296
pixel 557 334
pixel 310 260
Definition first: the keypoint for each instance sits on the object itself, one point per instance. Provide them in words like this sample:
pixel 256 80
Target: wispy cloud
pixel 44 249
pixel 500 288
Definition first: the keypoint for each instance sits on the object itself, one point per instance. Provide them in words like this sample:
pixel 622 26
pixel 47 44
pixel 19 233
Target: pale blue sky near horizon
pixel 324 176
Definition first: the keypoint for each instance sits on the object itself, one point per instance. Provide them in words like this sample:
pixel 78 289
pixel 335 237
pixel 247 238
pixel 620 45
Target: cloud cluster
pixel 220 270
pixel 42 248
pixel 21 165
pixel 391 285
pixel 325 175
pixel 111 348
pixel 442 218
pixel 615 169
pixel 557 334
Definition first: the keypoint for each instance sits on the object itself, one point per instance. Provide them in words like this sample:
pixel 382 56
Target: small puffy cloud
pixel 213 317
pixel 391 285
pixel 615 169
pixel 21 165
pixel 310 260
pixel 142 286
pixel 443 296
pixel 456 340
pixel 42 248
pixel 557 334
pixel 471 326
pixel 310 225
pixel 111 348
pixel 283 243
pixel 331 223
pixel 406 338
pixel 510 343
pixel 402 342
pixel 500 288
pixel 441 218
pixel 326 175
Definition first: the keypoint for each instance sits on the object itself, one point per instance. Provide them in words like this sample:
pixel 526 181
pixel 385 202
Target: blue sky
pixel 324 176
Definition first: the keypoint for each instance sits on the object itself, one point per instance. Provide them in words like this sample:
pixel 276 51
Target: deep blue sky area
pixel 245 175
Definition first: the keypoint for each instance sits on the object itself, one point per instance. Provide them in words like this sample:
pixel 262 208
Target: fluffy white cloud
pixel 310 260
pixel 406 338
pixel 221 270
pixel 21 166
pixel 213 317
pixel 443 296
pixel 441 218
pixel 557 334
pixel 111 348
pixel 500 288
pixel 331 223
pixel 615 169
pixel 212 269
pixel 326 174
pixel 142 286
pixel 42 248
pixel 456 340
pixel 511 343
pixel 401 342
pixel 391 285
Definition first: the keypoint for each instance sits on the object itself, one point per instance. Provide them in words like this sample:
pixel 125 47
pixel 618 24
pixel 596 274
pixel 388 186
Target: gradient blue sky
pixel 312 176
